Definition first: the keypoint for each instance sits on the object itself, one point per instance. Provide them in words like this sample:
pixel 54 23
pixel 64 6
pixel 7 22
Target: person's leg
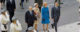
pixel 47 28
pixel 44 27
pixel 27 27
pixel 36 26
pixel 52 24
pixel 55 22
pixel 55 25
pixel 22 4
pixel 11 16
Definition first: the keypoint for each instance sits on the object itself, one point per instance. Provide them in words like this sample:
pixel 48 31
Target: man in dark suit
pixel 11 6
pixel 30 17
pixel 40 3
pixel 55 14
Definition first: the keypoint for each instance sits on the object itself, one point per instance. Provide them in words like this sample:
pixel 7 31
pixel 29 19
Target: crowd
pixel 39 13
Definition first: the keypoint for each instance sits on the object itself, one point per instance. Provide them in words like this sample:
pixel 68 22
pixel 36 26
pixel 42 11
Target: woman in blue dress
pixel 45 16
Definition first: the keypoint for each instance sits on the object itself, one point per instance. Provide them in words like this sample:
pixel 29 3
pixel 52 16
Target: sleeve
pixel 19 27
pixel 7 15
pixel 42 13
pixel 59 11
pixel 52 12
pixel 48 13
pixel 26 17
pixel 34 15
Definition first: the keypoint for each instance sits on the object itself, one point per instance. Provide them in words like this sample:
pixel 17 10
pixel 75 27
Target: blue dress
pixel 45 15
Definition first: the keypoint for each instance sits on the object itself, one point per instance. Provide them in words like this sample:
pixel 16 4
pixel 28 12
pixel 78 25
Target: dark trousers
pixel 11 14
pixel 56 18
pixel 29 25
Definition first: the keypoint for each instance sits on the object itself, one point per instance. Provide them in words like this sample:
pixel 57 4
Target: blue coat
pixel 45 15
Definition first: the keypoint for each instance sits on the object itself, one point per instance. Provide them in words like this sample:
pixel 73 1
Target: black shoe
pixel 52 26
pixel 78 23
pixel 26 30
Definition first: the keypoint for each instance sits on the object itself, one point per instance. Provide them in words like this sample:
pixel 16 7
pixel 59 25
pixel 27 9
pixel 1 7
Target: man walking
pixel 11 6
pixel 55 13
pixel 30 18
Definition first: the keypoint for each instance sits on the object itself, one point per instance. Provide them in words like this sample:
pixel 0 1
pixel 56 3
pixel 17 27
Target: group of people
pixel 32 17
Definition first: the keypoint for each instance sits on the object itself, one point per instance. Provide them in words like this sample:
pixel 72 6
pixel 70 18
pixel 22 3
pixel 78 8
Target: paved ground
pixel 68 20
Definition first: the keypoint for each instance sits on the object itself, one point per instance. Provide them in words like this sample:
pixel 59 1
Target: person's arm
pixel 59 11
pixel 48 14
pixel 52 13
pixel 42 14
pixel 26 17
pixel 7 16
pixel 18 27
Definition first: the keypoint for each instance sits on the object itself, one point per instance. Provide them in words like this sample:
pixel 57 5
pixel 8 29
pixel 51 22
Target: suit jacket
pixel 10 6
pixel 30 18
pixel 55 11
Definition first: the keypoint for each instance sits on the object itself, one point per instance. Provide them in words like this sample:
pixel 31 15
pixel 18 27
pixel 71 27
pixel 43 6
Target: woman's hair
pixel 14 19
pixel 35 4
pixel 44 3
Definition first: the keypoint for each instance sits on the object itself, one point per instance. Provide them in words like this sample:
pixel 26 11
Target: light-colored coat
pixel 15 27
pixel 4 20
